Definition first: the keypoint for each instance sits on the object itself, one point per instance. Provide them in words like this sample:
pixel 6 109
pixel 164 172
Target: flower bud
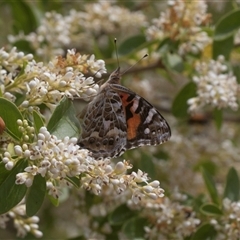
pixel 18 150
pixel 2 125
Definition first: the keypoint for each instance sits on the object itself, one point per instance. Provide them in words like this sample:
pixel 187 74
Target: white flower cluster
pixel 182 22
pixel 23 224
pixel 80 28
pixel 216 86
pixel 54 159
pixel 101 174
pixel 103 17
pixel 48 83
pixel 170 218
pixel 57 159
pixel 228 225
pixel 9 64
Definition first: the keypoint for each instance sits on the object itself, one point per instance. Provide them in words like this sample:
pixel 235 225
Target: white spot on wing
pixel 135 105
pixel 146 131
pixel 150 115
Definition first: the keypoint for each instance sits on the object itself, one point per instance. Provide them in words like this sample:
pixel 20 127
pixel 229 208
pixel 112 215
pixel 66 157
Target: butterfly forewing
pixel 145 125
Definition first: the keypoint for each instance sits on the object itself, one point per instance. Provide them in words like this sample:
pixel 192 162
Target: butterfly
pixel 117 119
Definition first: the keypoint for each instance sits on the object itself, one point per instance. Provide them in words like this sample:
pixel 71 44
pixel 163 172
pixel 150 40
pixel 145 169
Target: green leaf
pixel 236 72
pixel 23 16
pixel 217 115
pixel 90 199
pixel 63 121
pixel 64 194
pixel 35 195
pixel 10 193
pixel 173 62
pixel 53 200
pixel 147 165
pixel 134 228
pixel 113 235
pixel 161 155
pixel 26 47
pixel 197 202
pixel 232 187
pixel 211 209
pixel 120 215
pixel 19 97
pixel 211 187
pixel 38 121
pixel 223 47
pixel 3 173
pixel 205 232
pixel 227 25
pixel 208 165
pixel 167 46
pixel 131 44
pixel 180 106
pixel 10 114
pixel 74 181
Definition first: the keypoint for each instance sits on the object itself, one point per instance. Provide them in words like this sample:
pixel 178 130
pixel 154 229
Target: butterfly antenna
pixel 116 50
pixel 146 55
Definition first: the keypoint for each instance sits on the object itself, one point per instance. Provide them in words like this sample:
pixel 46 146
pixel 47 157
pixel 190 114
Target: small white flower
pixel 182 22
pixel 154 184
pixel 119 168
pixel 37 233
pixel 9 165
pixel 148 189
pixel 5 159
pixel 18 150
pixel 215 86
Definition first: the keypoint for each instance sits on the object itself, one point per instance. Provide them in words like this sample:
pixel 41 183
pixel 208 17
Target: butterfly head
pixel 115 76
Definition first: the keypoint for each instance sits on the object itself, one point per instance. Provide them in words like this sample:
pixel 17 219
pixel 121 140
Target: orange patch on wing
pixel 133 124
pixel 124 97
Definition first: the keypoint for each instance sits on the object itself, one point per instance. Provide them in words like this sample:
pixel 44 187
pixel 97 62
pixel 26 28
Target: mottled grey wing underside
pixel 104 126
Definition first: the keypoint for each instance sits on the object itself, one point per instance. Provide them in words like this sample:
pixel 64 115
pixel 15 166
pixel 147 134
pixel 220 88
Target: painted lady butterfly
pixel 117 119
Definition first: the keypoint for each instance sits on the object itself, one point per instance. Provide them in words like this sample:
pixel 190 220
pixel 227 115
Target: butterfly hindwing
pixel 104 127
